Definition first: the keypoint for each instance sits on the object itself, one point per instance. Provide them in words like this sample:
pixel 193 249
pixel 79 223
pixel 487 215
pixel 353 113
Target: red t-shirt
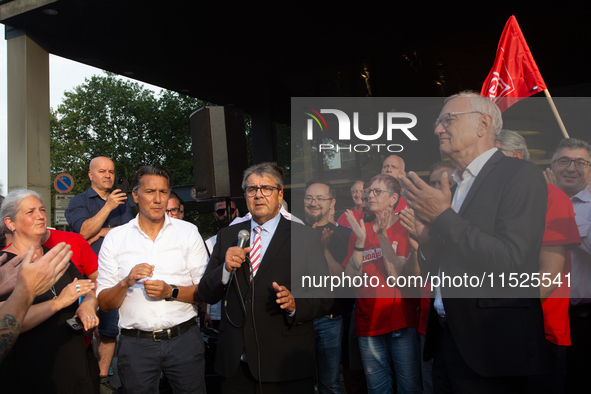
pixel 380 310
pixel 401 205
pixel 83 256
pixel 343 218
pixel 425 302
pixel 561 229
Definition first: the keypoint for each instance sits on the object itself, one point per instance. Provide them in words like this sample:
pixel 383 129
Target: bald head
pixel 102 174
pixel 393 166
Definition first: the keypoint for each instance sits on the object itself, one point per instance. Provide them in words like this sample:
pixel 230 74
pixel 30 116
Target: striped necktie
pixel 255 253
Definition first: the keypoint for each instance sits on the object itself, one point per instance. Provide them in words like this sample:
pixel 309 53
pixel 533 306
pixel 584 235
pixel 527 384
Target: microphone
pixel 243 236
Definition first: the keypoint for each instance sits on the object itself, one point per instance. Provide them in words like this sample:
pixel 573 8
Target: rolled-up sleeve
pixel 197 256
pixel 108 271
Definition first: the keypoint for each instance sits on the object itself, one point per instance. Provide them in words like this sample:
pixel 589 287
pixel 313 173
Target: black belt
pixel 160 335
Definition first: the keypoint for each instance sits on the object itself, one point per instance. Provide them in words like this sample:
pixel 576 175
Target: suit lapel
pixel 282 235
pixel 243 277
pixel 488 166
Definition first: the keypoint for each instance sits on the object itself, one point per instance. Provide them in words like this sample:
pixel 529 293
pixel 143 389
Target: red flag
pixel 515 74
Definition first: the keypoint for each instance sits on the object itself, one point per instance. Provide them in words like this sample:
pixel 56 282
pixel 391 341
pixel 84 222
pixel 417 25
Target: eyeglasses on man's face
pixel 313 200
pixel 174 211
pixel 445 119
pixel 581 164
pixel 266 190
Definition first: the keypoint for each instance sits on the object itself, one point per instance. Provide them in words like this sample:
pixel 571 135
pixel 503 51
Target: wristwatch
pixel 174 294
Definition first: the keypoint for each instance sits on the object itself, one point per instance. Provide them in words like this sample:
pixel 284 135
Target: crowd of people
pixel 142 281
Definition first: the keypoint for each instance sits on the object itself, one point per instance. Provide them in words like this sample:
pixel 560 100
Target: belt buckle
pixel 167 330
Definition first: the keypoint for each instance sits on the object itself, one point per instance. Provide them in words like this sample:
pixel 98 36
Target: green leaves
pixel 107 116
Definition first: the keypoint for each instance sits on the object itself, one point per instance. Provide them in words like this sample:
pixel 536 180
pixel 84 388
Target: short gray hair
pixel 572 143
pixel 484 105
pixel 265 169
pixel 512 142
pixel 354 183
pixel 12 204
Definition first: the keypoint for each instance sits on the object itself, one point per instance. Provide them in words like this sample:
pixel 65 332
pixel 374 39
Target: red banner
pixel 515 74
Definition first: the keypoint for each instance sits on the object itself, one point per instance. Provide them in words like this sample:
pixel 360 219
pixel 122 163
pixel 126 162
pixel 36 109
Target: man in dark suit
pixel 266 335
pixel 491 223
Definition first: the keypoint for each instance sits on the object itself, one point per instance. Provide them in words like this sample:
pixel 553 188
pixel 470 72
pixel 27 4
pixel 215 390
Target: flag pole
pixel 556 114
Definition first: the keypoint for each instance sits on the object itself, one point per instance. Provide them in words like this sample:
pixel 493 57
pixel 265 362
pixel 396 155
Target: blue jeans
pixel 382 354
pixel 329 332
pixel 109 323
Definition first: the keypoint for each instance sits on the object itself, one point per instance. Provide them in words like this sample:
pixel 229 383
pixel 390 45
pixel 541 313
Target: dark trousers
pixel 451 374
pixel 578 355
pixel 141 361
pixel 244 383
pixel 551 382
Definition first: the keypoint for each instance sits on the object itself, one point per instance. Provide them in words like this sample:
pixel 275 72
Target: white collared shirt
pixel 580 291
pixel 464 182
pixel 179 256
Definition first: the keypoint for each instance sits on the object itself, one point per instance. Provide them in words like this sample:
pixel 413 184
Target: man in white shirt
pixel 150 269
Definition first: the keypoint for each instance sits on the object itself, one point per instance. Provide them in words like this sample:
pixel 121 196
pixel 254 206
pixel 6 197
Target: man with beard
pixel 320 198
pixel 220 214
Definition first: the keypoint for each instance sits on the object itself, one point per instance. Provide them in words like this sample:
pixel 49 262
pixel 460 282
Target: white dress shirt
pixel 464 182
pixel 179 256
pixel 580 291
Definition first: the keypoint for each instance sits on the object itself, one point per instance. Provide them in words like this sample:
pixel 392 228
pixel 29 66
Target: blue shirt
pixel 86 205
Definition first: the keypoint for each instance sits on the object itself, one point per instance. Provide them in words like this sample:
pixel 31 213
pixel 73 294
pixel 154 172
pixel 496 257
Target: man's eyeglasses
pixel 174 211
pixel 310 200
pixel 445 119
pixel 376 192
pixel 581 164
pixel 266 190
pixel 222 211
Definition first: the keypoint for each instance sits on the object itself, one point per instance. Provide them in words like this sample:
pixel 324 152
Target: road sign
pixel 194 193
pixel 63 183
pixel 60 217
pixel 62 200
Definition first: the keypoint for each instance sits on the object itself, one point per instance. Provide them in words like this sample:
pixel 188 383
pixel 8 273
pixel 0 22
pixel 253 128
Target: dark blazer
pixel 498 229
pixel 286 345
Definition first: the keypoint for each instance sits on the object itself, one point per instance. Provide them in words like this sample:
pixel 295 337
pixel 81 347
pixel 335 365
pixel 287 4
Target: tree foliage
pixel 108 116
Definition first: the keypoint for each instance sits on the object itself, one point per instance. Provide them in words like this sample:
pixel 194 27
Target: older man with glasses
pixel 266 337
pixel 486 339
pixel 571 171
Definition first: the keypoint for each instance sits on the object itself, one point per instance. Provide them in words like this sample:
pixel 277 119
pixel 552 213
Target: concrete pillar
pixel 28 117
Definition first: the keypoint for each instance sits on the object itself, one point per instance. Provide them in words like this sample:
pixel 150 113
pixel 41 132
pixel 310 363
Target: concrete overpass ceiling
pixel 243 52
